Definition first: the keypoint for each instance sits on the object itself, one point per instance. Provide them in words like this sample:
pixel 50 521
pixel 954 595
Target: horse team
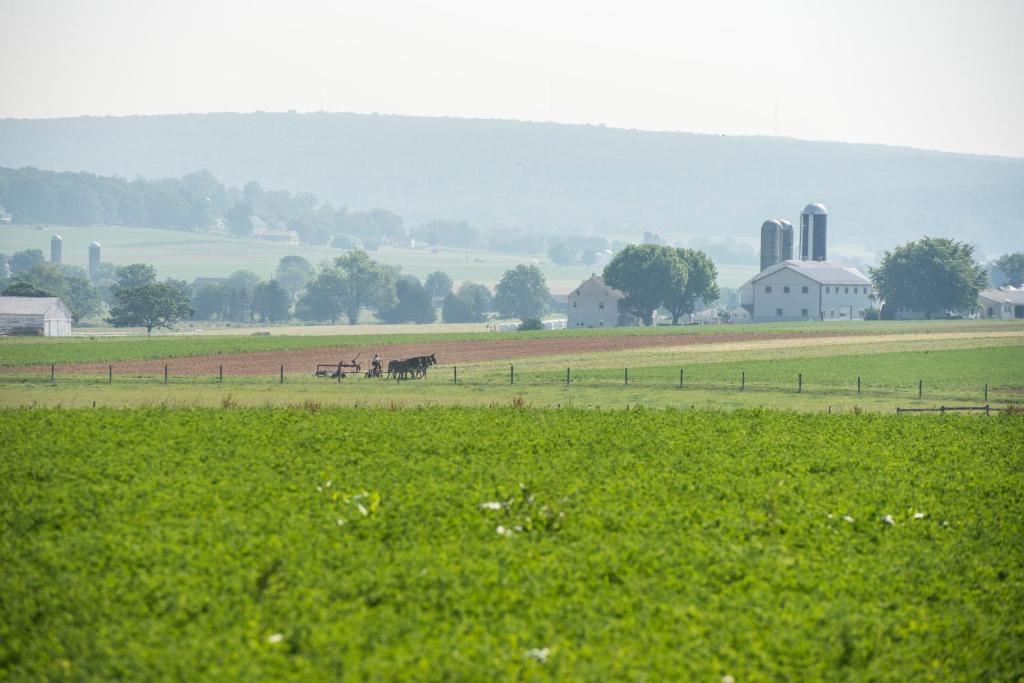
pixel 410 368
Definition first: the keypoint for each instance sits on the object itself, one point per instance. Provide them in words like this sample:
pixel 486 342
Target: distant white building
pixel 1004 303
pixel 807 290
pixel 34 316
pixel 279 233
pixel 5 217
pixel 595 304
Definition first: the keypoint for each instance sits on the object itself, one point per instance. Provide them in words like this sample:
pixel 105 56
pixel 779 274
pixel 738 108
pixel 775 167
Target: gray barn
pixel 34 316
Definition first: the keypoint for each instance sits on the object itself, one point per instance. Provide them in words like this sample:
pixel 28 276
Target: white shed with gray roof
pixel 34 316
pixel 807 290
pixel 1005 302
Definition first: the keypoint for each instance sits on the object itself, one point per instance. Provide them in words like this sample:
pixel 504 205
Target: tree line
pixel 195 202
pixel 932 275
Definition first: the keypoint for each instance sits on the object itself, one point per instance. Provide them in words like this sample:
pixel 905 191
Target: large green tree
pixel 649 275
pixel 210 302
pixel 135 275
pixel 22 288
pixel 293 272
pixel 933 275
pixel 271 302
pixel 438 283
pixel 322 300
pixel 1012 268
pixel 561 255
pixel 155 304
pixel 366 284
pixel 522 293
pixel 414 303
pixel 241 290
pixel 468 305
pixel 21 261
pixel 701 284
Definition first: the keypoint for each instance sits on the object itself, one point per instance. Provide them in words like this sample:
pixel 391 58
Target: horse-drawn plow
pixel 338 370
pixel 404 368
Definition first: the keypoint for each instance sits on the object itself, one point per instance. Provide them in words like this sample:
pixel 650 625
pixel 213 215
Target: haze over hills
pixel 557 177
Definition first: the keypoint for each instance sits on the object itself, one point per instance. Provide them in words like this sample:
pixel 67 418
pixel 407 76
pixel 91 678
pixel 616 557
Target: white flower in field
pixel 490 505
pixel 502 531
pixel 340 522
pixel 889 520
pixel 328 483
pixel 944 524
pixel 362 509
pixel 728 679
pixel 539 653
pixel 830 515
pixel 319 489
pixel 848 518
pixel 918 515
pixel 275 638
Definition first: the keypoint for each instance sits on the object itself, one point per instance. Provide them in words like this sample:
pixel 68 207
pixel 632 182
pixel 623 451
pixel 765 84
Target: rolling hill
pixel 554 177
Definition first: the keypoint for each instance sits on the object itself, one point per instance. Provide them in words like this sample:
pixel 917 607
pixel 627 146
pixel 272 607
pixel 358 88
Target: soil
pixel 447 353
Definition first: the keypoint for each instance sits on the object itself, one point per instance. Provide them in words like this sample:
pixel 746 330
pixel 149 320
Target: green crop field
pixel 188 255
pixel 510 544
pixel 45 350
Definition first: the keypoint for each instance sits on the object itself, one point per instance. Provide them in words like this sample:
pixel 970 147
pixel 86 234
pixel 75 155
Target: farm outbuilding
pixel 34 316
pixel 595 304
pixel 1006 303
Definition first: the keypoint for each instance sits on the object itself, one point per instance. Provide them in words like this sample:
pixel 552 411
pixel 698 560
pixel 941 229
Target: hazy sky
pixel 937 74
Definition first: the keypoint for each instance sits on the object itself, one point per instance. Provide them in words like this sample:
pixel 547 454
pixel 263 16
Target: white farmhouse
pixel 807 290
pixel 595 304
pixel 1003 303
pixel 34 316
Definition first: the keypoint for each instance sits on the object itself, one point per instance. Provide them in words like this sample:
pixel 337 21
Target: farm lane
pixel 456 352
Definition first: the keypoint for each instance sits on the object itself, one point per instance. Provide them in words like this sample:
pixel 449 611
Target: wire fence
pixel 525 375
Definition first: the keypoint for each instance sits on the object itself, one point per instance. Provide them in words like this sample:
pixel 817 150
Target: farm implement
pixel 338 370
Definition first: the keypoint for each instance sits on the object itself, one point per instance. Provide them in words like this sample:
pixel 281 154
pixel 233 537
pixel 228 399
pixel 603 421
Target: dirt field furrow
pixel 448 353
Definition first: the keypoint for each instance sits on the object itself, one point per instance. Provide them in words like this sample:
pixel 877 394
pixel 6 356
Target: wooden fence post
pixel 282 375
pixel 511 374
pixel 986 392
pixel 220 374
pixel 110 374
pixel 53 373
pixel 743 381
pixel 165 374
pixel 626 379
pixel 567 377
pixel 800 383
pixel 680 378
pixel 920 388
pixel 858 386
pixel 455 374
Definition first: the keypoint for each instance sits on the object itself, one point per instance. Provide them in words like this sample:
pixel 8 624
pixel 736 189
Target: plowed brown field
pixel 448 353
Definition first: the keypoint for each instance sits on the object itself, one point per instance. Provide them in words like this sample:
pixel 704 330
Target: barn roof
pixel 823 272
pixel 1010 295
pixel 597 280
pixel 32 305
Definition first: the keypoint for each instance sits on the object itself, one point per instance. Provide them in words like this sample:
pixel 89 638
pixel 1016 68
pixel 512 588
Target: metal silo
pixel 771 243
pixel 814 233
pixel 56 244
pixel 94 259
pixel 787 241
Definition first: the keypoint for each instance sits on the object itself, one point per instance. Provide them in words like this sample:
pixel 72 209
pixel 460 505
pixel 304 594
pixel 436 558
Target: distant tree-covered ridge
pixel 200 202
pixel 197 201
pixel 528 178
